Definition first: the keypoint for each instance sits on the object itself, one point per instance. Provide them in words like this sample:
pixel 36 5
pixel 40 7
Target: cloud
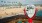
pixel 36 0
pixel 20 0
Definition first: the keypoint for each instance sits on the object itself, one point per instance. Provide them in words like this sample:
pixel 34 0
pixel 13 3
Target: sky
pixel 22 1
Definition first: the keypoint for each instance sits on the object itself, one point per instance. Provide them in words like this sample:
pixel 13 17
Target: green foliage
pixel 20 21
pixel 39 13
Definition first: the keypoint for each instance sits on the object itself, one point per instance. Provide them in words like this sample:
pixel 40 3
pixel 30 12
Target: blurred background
pixel 12 11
